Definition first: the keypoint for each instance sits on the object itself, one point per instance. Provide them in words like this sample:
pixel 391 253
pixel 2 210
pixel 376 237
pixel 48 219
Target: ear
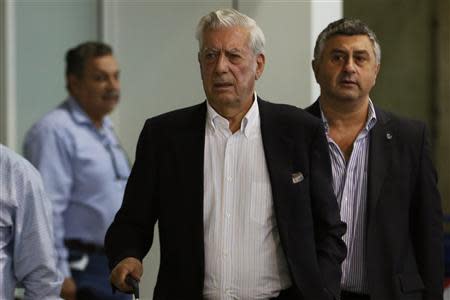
pixel 315 67
pixel 377 70
pixel 200 65
pixel 260 63
pixel 73 83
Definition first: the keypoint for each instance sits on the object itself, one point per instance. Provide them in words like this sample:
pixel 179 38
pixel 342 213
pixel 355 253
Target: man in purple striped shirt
pixel 383 176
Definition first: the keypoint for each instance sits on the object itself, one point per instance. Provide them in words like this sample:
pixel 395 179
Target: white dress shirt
pixel 243 255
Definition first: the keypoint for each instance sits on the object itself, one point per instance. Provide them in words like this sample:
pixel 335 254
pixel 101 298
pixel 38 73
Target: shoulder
pixel 57 119
pixel 179 119
pixel 17 174
pixel 406 128
pixel 14 164
pixel 56 123
pixel 287 114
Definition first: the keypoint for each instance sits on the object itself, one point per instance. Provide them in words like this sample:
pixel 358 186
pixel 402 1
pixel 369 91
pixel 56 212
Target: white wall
pixel 37 35
pixel 286 25
pixel 322 13
pixel 7 74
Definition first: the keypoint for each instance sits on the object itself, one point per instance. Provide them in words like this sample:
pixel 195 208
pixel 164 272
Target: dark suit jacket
pixel 166 185
pixel 404 218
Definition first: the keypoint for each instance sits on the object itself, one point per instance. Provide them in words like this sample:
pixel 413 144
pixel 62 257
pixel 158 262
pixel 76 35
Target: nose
pixel 221 64
pixel 349 65
pixel 114 83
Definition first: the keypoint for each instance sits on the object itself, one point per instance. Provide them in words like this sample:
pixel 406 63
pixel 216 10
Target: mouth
pixel 222 86
pixel 348 82
pixel 114 96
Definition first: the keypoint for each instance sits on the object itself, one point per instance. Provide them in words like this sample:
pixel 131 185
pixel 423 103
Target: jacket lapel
pixel 190 145
pixel 380 157
pixel 278 150
pixel 314 109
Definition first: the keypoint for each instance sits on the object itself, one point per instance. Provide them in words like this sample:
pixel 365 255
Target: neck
pixel 344 113
pixel 97 119
pixel 345 121
pixel 234 114
pixel 97 123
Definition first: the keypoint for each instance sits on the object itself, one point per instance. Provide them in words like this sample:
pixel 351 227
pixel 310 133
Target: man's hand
pixel 128 266
pixel 69 289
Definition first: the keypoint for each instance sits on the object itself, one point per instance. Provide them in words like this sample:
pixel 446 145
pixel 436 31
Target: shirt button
pixel 228 215
pixel 229 178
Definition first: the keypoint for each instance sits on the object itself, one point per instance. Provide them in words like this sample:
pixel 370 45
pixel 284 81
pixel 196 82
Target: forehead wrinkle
pixel 352 50
pixel 234 34
pixel 352 43
pixel 232 50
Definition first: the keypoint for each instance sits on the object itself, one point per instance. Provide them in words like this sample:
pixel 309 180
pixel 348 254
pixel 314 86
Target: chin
pixel 347 96
pixel 109 109
pixel 224 99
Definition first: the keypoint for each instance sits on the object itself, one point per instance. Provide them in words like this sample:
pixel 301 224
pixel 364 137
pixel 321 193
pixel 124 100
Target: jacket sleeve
pixel 328 227
pixel 131 233
pixel 426 224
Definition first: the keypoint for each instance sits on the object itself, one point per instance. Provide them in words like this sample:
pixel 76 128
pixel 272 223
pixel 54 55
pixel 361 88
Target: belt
pixel 88 248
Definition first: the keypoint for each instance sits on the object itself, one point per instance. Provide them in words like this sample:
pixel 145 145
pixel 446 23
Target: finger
pixel 118 278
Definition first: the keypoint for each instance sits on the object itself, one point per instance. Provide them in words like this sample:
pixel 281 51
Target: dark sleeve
pixel 427 225
pixel 328 227
pixel 131 233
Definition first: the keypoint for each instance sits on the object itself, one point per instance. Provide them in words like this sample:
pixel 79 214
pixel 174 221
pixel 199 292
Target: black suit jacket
pixel 166 185
pixel 404 217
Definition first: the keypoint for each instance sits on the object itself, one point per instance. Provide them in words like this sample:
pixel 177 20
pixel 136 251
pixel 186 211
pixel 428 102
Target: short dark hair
pixel 77 57
pixel 346 26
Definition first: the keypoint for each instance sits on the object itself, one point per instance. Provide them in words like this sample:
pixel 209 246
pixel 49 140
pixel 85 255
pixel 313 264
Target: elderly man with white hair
pixel 240 187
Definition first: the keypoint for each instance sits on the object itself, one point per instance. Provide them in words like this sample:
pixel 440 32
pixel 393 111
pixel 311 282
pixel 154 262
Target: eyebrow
pixel 103 72
pixel 232 50
pixel 340 50
pixel 361 52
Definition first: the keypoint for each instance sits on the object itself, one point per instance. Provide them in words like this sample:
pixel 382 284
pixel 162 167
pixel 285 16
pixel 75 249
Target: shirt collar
pixel 371 118
pixel 80 116
pixel 249 122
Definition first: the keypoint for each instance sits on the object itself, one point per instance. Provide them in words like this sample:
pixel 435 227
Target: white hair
pixel 228 18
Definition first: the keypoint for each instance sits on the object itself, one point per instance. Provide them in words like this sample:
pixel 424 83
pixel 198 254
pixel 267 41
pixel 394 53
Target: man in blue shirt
pixel 84 169
pixel 26 239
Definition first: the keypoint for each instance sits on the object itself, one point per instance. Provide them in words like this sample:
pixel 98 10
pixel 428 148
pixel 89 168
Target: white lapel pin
pixel 297 177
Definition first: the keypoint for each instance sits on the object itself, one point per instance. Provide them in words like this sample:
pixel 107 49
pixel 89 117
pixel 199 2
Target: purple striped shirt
pixel 350 188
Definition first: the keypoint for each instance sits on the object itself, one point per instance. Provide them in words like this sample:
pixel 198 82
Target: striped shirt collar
pixel 249 123
pixel 371 119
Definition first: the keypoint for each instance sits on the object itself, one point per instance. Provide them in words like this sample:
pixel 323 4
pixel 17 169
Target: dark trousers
pixel 353 296
pixel 93 282
pixel 287 294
